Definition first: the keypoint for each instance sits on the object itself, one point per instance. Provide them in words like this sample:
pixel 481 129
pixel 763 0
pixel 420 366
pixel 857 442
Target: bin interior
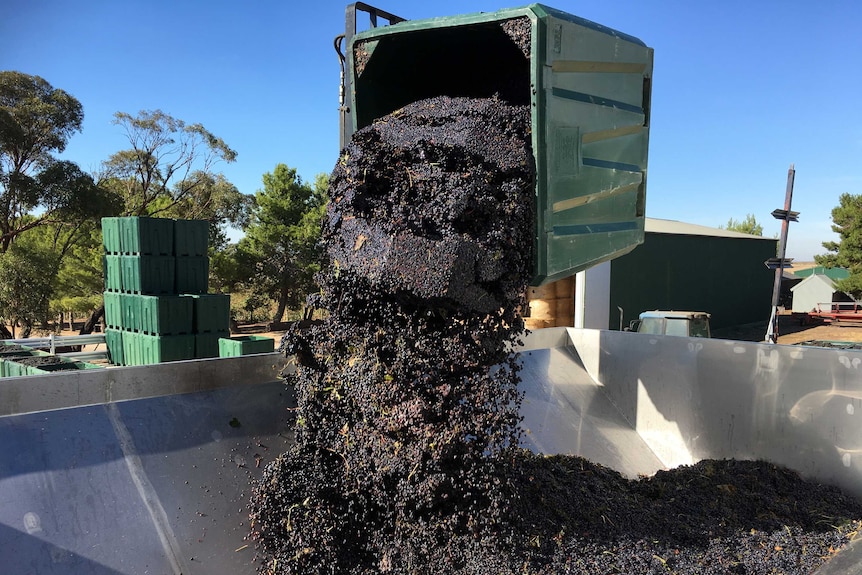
pixel 477 60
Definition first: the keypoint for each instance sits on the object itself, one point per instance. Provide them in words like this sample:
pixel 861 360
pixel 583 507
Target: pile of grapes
pixel 406 458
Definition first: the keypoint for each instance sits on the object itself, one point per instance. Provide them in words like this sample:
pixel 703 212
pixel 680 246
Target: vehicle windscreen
pixel 677 326
pixel 652 325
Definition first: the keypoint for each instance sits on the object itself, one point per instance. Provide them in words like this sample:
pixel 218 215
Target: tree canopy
pixel 169 163
pixel 747 226
pixel 847 251
pixel 36 189
pixel 26 287
pixel 215 200
pixel 50 244
pixel 280 252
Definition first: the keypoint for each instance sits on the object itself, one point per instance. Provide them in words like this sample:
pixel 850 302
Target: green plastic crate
pixel 10 355
pixel 131 348
pixel 207 344
pixel 192 274
pixel 114 343
pixel 146 349
pixel 210 312
pixel 245 345
pixel 147 236
pixel 191 237
pixel 17 366
pixel 113 272
pixel 130 312
pixel 165 314
pixel 150 275
pixel 113 309
pixel 64 365
pixel 111 235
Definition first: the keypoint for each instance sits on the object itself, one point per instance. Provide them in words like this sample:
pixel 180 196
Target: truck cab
pixel 681 323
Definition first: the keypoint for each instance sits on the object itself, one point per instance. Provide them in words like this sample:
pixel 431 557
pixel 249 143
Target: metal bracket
pixel 346 59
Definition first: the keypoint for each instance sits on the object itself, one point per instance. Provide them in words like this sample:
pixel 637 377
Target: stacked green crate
pixel 158 309
pixel 146 320
pixel 191 241
pixel 144 348
pixel 245 345
pixel 210 322
pixel 114 342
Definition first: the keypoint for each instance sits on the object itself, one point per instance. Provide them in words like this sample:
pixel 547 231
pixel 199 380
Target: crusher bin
pixel 588 88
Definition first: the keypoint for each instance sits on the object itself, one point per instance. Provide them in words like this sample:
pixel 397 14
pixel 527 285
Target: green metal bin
pixel 588 88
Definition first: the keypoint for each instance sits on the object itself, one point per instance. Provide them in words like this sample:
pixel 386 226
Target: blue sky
pixel 741 89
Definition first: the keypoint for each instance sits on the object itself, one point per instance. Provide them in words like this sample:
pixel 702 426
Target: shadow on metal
pixel 153 485
pixel 566 412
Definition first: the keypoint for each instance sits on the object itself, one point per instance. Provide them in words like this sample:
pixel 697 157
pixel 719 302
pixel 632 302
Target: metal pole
pixel 786 216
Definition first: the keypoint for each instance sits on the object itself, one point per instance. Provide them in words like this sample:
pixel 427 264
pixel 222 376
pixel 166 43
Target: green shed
pixel 683 266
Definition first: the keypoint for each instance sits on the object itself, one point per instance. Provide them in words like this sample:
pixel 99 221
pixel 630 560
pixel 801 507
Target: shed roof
pixel 674 227
pixel 815 279
pixel 833 273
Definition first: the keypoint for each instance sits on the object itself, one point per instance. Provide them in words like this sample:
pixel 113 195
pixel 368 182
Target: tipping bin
pixel 588 88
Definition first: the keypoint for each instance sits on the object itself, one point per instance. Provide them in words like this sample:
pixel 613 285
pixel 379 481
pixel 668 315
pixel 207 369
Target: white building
pixel 813 290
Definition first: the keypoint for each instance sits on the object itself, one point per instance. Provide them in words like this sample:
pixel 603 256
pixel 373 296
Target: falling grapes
pixel 406 458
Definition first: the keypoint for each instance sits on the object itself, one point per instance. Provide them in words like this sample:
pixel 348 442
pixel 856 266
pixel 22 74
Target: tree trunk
pixel 91 322
pixel 279 313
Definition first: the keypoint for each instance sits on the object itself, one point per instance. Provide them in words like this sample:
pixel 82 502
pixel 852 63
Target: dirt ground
pixel 790 331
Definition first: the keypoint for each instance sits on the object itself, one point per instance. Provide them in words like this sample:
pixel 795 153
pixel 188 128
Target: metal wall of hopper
pixel 154 477
pixel 152 485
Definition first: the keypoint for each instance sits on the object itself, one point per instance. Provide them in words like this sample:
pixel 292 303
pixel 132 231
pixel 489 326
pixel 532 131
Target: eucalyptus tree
pixel 37 189
pixel 168 163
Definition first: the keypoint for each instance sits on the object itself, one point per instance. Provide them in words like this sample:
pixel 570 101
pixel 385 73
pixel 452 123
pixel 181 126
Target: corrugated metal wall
pixel 723 276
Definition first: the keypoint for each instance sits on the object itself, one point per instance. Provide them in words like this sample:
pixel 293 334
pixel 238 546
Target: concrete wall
pixel 693 398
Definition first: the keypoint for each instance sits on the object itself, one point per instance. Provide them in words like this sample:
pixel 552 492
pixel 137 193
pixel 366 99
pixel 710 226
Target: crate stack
pixel 157 308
